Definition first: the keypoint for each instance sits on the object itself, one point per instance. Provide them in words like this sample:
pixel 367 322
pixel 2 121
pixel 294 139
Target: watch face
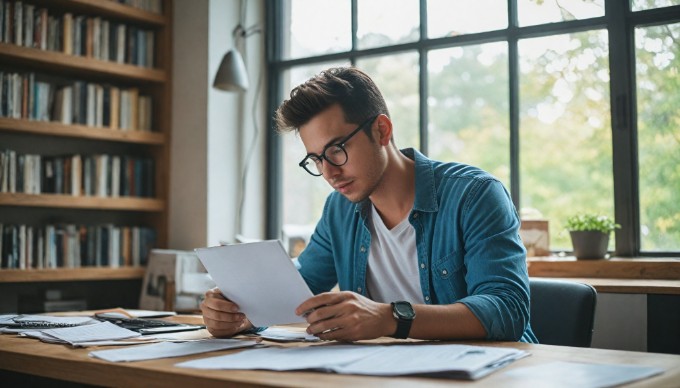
pixel 404 310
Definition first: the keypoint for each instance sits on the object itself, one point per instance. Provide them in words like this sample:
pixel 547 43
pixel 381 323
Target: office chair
pixel 562 312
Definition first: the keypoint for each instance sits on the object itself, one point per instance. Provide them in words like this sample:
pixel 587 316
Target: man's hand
pixel 347 316
pixel 221 316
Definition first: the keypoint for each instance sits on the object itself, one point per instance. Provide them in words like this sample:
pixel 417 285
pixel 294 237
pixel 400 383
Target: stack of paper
pixel 169 349
pixel 23 323
pixel 453 361
pixel 84 335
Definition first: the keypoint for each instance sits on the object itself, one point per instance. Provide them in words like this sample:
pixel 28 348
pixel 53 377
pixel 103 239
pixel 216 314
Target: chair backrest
pixel 562 312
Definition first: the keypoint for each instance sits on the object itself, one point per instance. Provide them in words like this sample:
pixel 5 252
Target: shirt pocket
pixel 448 278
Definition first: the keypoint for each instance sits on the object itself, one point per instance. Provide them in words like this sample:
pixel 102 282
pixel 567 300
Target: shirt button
pixel 415 215
pixel 422 265
pixel 427 298
pixel 359 289
pixel 444 272
pixel 362 249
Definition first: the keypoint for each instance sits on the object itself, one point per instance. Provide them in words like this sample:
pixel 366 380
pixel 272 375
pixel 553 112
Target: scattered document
pixel 181 336
pixel 260 278
pixel 78 335
pixel 169 349
pixel 55 320
pixel 281 359
pixel 7 318
pixel 287 335
pixel 23 323
pixel 53 340
pixel 132 313
pixel 581 374
pixel 451 361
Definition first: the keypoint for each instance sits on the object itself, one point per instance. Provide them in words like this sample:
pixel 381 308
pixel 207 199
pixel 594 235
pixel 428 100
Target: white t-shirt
pixel 393 262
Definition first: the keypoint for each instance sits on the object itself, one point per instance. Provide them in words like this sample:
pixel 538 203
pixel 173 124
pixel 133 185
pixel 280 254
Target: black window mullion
pixel 513 77
pixel 274 171
pixel 355 29
pixel 423 79
pixel 624 128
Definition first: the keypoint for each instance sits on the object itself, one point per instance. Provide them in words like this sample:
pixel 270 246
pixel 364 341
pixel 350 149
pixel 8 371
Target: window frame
pixel 619 21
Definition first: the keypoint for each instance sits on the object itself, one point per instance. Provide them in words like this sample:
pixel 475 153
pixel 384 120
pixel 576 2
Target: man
pixel 419 248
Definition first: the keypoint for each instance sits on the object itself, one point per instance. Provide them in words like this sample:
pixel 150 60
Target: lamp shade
pixel 232 74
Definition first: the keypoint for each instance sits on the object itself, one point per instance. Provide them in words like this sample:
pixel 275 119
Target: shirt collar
pixel 426 192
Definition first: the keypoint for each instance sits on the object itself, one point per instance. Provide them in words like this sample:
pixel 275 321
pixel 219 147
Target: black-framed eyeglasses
pixel 335 154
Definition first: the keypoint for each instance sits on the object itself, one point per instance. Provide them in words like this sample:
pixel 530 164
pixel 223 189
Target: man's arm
pixel 495 262
pixel 348 316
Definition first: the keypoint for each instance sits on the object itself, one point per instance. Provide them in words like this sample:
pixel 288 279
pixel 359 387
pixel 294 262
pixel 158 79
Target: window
pixel 534 12
pixel 657 56
pixel 572 104
pixel 564 128
pixel 401 97
pixel 468 106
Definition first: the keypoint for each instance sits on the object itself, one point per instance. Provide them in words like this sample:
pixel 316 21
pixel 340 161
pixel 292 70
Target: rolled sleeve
pixel 495 258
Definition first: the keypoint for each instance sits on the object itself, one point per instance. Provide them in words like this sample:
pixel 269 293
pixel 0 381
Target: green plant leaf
pixel 583 222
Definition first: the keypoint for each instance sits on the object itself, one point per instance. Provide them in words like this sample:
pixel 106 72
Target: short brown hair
pixel 354 90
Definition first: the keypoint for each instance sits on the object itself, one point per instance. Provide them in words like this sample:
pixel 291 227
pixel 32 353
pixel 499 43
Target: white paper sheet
pixel 581 374
pixel 53 340
pixel 286 335
pixel 133 313
pixel 280 359
pixel 460 361
pixel 260 278
pixel 97 332
pixel 169 349
pixel 55 319
pixel 7 318
pixel 456 361
pixel 46 322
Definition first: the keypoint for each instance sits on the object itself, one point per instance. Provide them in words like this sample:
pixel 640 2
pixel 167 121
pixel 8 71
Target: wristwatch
pixel 404 314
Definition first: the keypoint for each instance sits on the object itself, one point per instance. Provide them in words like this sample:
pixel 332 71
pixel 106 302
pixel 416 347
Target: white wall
pixel 210 130
pixel 254 215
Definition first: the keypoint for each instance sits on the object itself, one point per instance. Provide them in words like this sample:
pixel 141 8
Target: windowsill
pixel 615 275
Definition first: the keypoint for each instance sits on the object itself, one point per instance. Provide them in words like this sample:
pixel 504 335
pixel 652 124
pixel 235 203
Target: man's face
pixel 366 159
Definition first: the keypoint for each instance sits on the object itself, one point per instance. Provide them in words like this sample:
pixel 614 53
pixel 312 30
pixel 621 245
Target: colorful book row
pixel 36 97
pixel 99 175
pixel 74 246
pixel 24 24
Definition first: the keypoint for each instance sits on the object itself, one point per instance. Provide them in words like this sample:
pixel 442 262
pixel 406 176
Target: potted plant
pixel 590 235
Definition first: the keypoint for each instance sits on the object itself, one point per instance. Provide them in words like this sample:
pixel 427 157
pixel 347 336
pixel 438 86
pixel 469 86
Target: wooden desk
pixel 32 357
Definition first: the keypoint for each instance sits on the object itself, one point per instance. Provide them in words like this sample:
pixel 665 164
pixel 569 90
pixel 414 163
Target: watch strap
pixel 403 324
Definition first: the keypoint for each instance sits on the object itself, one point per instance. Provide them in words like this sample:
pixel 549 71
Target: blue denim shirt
pixel 467 238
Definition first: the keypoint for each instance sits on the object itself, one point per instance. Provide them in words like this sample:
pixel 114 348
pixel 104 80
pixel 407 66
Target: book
pixel 114 108
pixel 76 175
pixel 67 34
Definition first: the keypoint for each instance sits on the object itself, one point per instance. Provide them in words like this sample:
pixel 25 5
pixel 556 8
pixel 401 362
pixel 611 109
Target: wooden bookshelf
pixel 82 202
pixel 49 128
pixel 111 9
pixel 70 274
pixel 72 64
pixel 64 138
